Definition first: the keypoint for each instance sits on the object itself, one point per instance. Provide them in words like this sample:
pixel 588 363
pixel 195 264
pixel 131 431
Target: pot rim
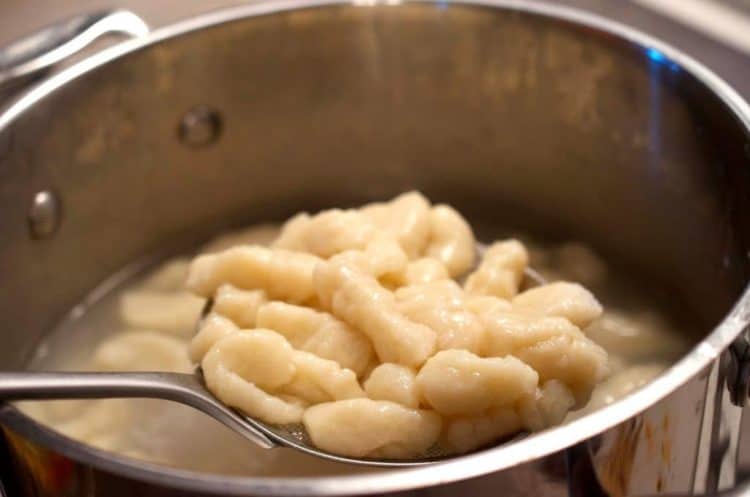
pixel 460 468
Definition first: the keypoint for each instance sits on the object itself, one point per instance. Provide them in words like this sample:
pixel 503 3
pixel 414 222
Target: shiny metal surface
pixel 186 389
pixel 32 56
pixel 537 115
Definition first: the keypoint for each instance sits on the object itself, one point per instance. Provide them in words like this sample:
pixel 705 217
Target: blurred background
pixel 715 31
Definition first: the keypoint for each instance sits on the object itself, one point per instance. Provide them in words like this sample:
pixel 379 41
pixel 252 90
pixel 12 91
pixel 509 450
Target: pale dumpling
pixel 241 306
pixel 141 350
pixel 561 299
pixel 465 433
pixel 318 332
pixel 481 304
pixel 211 329
pixel 383 258
pixel 579 363
pixel 393 382
pixel 282 274
pixel 372 428
pixel 359 300
pixel 319 380
pixel 547 407
pixel 501 271
pixel 168 277
pixel 241 369
pixel 440 305
pixel 456 382
pixel 406 218
pixel 259 356
pixel 508 332
pixel 553 346
pixel 424 270
pixel 451 240
pixel 327 233
pixel 171 312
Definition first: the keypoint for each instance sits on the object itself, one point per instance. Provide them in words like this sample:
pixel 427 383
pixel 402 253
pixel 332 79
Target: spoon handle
pixel 178 387
pixel 74 385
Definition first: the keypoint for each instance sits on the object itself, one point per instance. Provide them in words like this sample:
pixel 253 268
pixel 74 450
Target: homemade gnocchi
pixel 377 330
pixel 639 336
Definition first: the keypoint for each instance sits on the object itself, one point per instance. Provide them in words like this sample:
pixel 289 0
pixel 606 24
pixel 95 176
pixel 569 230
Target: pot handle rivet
pixel 200 126
pixel 44 215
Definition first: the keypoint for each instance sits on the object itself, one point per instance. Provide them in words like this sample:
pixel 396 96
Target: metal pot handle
pixel 33 56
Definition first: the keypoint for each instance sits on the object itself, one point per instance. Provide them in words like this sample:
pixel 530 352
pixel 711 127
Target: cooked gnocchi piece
pixel 372 428
pixel 561 299
pixel 319 380
pixel 354 323
pixel 243 367
pixel 235 391
pixel 407 218
pixel 480 304
pixel 579 363
pixel 455 382
pixel 262 357
pixel 501 271
pixel 172 312
pixel 319 333
pixel 211 329
pixel 282 274
pixel 547 407
pixel 241 306
pixel 326 234
pixel 146 350
pixel 168 277
pixel 451 240
pixel 553 346
pixel 509 332
pixel 393 382
pixel 424 270
pixel 359 300
pixel 465 433
pixel 382 258
pixel 440 305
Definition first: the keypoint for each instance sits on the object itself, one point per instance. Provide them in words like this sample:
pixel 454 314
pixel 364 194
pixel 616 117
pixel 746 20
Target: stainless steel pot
pixel 517 113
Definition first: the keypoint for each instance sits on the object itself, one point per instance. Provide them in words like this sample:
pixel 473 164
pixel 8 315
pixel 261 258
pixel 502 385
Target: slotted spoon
pixel 188 389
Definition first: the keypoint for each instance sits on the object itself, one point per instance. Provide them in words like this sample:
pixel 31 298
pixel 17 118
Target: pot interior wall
pixel 518 120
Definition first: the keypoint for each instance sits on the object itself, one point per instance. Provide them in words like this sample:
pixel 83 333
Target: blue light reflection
pixel 659 58
pixel 655 55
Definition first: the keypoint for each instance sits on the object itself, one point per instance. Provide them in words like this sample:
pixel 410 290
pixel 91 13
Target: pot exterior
pixel 518 119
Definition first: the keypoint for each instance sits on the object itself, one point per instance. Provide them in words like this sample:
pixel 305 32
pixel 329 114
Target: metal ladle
pixel 188 389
